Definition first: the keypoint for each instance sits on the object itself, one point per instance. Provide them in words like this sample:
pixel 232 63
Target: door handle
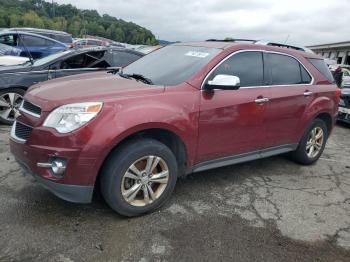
pixel 308 93
pixel 261 100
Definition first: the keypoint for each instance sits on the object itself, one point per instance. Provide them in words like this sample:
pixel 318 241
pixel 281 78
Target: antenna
pixel 25 47
pixel 285 42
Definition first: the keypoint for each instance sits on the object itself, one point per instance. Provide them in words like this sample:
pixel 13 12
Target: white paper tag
pixel 197 54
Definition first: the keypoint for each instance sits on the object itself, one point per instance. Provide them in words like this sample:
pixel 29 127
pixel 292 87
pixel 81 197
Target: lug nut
pixel 138 181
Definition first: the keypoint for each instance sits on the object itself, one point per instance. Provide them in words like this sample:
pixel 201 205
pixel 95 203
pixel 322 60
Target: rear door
pixel 231 121
pixel 291 93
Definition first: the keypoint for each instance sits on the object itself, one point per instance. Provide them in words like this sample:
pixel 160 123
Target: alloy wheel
pixel 145 181
pixel 315 142
pixel 9 106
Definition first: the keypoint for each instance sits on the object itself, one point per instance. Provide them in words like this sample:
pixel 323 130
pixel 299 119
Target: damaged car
pixel 15 80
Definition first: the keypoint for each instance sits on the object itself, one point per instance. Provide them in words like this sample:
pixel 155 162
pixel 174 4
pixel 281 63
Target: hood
pixel 99 86
pixel 14 69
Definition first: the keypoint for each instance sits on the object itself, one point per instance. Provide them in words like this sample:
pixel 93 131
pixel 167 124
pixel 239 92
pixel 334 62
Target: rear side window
pixel 32 41
pixel 322 68
pixel 286 70
pixel 248 66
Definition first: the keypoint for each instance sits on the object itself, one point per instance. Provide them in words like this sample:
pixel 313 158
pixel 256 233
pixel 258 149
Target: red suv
pixel 184 108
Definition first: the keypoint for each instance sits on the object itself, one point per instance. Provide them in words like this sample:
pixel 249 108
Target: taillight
pixel 338 94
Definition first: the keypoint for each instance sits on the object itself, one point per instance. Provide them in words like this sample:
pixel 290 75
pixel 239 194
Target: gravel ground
pixel 266 210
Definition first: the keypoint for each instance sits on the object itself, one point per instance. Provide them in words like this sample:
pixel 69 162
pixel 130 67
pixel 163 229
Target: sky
pixel 299 22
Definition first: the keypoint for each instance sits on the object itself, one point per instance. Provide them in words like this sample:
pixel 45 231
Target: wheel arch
pixel 168 137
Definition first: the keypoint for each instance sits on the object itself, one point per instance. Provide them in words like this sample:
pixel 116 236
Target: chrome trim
pixel 308 93
pixel 22 109
pixel 44 165
pixel 13 134
pixel 262 100
pixel 264 86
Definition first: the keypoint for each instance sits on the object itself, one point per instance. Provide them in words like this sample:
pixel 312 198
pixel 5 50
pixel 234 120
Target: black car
pixel 15 80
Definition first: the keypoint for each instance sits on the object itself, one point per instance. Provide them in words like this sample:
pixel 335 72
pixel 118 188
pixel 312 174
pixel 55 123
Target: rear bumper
pixel 71 193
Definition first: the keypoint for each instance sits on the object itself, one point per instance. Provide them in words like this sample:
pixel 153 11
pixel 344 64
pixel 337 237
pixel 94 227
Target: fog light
pixel 58 167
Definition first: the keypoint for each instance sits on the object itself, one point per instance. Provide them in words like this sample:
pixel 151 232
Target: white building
pixel 339 52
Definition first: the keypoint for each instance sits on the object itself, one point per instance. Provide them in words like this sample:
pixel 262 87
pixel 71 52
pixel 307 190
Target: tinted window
pixel 285 70
pixel 323 68
pixel 10 40
pixel 29 40
pixel 172 65
pixel 305 75
pixel 248 66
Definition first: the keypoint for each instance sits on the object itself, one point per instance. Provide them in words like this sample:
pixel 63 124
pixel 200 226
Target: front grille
pixel 31 108
pixel 22 131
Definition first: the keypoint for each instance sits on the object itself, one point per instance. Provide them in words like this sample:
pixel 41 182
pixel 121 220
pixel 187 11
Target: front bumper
pixel 71 193
pixel 344 114
pixel 43 145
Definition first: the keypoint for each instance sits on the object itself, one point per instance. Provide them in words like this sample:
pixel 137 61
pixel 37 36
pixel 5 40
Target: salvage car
pixel 15 80
pixel 185 108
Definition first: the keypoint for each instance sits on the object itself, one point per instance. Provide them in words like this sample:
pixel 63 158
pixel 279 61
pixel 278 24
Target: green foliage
pixel 41 14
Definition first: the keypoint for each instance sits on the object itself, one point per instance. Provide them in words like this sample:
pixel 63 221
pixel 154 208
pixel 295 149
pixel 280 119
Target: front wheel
pixel 312 144
pixel 10 101
pixel 139 177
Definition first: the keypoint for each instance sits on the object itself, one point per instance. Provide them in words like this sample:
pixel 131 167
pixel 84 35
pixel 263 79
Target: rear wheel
pixel 10 101
pixel 139 177
pixel 312 144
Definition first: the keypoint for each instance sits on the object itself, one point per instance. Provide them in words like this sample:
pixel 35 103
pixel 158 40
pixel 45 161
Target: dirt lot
pixel 266 210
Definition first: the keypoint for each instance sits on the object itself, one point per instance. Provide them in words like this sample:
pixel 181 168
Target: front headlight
pixel 70 117
pixel 341 102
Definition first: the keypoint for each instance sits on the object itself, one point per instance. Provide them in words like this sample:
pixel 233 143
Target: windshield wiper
pixel 137 77
pixel 141 78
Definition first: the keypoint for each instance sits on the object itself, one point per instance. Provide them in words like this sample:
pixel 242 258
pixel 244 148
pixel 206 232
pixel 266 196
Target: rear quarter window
pixel 322 67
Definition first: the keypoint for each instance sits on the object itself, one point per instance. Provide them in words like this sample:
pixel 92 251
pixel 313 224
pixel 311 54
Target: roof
pixel 25 29
pixel 251 44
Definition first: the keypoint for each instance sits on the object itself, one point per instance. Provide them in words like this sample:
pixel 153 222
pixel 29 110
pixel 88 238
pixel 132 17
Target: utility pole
pixel 53 8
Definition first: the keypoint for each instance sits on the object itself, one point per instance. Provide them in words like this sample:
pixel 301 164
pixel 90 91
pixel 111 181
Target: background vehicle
pixel 181 109
pixel 60 36
pixel 36 46
pixel 88 42
pixel 7 60
pixel 14 81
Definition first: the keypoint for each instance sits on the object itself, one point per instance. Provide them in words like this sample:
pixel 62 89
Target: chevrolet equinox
pixel 185 108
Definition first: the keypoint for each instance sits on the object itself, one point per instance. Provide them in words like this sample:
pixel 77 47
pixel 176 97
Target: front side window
pixel 248 66
pixel 286 70
pixel 172 65
pixel 10 40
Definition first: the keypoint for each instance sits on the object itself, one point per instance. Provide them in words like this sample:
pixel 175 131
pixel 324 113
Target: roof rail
pixel 232 40
pixel 299 48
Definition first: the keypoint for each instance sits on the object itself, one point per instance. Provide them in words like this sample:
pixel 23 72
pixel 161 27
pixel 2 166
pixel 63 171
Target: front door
pixel 231 121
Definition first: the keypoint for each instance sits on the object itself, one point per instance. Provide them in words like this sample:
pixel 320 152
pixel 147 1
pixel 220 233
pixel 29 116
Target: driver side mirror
pixel 224 82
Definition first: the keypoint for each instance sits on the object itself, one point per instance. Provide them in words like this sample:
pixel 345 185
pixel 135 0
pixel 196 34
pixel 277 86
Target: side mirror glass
pixel 225 82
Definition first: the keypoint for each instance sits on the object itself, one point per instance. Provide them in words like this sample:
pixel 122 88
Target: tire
pixel 10 100
pixel 115 181
pixel 303 153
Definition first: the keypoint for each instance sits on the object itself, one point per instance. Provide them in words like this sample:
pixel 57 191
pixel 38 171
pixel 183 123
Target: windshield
pixel 172 65
pixel 50 58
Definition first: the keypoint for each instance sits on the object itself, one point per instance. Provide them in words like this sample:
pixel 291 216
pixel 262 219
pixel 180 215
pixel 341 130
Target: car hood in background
pixel 7 60
pixel 99 86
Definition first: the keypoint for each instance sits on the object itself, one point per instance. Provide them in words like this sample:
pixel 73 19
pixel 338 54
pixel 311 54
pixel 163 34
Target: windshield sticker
pixel 197 54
